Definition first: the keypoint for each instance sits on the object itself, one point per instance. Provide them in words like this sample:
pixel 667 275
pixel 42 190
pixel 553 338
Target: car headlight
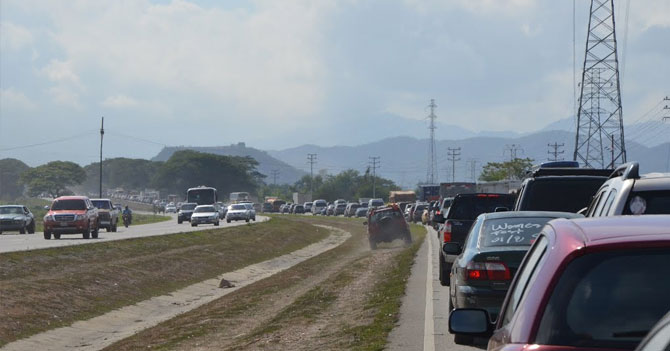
pixel 79 217
pixel 48 218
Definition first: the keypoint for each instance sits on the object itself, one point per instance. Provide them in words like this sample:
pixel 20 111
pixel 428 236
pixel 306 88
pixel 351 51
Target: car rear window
pixel 648 202
pixel 11 210
pixel 101 204
pixel 469 207
pixel 511 231
pixel 239 207
pixel 560 194
pixel 608 299
pixel 77 205
pixel 205 209
pixel 188 207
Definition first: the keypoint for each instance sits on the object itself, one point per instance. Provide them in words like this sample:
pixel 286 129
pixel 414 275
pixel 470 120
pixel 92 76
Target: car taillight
pixel 447 231
pixel 487 271
pixel 437 212
pixel 488 195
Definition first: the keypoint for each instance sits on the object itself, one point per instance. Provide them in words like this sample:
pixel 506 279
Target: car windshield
pixel 205 209
pixel 556 194
pixel 377 203
pixel 511 231
pixel 377 216
pixel 238 207
pixel 104 205
pixel 188 207
pixel 77 205
pixel 608 299
pixel 11 210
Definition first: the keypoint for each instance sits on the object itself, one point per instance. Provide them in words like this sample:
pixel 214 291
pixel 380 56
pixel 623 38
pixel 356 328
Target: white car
pixel 238 212
pixel 171 209
pixel 252 210
pixel 204 214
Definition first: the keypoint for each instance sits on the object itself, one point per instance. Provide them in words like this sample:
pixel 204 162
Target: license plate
pixel 63 224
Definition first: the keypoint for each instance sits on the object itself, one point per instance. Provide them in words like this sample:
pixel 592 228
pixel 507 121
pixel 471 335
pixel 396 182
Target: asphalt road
pixel 424 314
pixel 12 241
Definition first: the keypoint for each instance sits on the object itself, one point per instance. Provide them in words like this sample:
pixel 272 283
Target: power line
pixel 88 133
pixel 453 157
pixel 555 152
pixel 274 173
pixel 432 165
pixel 513 149
pixel 311 158
pixel 374 163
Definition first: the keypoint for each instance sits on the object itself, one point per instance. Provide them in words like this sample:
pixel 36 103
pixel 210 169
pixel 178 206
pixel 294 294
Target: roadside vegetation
pixel 50 288
pixel 346 298
pixel 140 218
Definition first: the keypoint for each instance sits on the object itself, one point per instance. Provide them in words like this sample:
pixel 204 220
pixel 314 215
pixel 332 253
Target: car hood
pixel 237 211
pixel 205 214
pixel 76 212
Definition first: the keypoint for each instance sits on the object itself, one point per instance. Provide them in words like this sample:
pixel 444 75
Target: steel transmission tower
pixel 432 162
pixel 599 118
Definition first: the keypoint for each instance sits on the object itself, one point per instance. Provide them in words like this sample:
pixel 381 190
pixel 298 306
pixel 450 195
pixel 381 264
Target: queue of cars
pixel 556 280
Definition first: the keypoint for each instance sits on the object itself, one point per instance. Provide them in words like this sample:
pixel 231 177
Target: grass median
pixel 50 288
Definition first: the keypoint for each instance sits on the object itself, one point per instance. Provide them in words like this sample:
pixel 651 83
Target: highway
pixel 12 241
pixel 424 314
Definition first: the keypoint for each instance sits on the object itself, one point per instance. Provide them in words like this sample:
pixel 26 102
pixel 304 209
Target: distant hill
pixel 266 163
pixel 405 159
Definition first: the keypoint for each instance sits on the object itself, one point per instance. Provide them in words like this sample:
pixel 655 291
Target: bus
pixel 202 195
pixel 239 197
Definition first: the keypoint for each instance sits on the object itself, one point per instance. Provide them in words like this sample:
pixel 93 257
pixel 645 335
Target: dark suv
pixel 560 186
pixel 459 218
pixel 386 224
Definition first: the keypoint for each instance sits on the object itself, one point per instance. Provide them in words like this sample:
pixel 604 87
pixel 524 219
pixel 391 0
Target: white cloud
pixel 13 99
pixel 480 7
pixel 119 101
pixel 61 72
pixel 63 95
pixel 14 37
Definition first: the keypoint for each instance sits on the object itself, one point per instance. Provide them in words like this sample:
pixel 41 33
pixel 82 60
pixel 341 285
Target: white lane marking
pixel 429 326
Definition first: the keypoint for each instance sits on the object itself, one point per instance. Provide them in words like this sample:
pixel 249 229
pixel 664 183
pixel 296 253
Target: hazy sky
pixel 283 73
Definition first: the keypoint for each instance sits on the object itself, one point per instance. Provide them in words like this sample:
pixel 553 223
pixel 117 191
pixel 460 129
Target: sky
pixel 278 74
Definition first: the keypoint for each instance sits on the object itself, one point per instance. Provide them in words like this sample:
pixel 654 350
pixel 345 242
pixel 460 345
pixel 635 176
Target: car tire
pixel 114 228
pixel 193 225
pixel 254 218
pixel 463 339
pixel 56 236
pixel 247 220
pixel 179 221
pixel 87 233
pixel 31 228
pixel 22 230
pixel 227 220
pixel 444 272
pixel 94 232
pixel 216 223
pixel 47 235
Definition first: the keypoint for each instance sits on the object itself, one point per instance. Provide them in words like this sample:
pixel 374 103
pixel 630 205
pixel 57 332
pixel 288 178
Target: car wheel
pixel 254 218
pixel 22 230
pixel 444 272
pixel 57 236
pixel 463 339
pixel 216 223
pixel 179 221
pixel 193 225
pixel 114 228
pixel 47 235
pixel 247 220
pixel 31 228
pixel 94 232
pixel 87 233
pixel 227 220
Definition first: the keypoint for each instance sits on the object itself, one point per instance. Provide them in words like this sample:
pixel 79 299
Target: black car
pixel 185 212
pixel 486 264
pixel 459 219
pixel 560 186
pixel 386 224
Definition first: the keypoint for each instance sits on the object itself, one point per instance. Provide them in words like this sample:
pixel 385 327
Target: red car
pixel 386 224
pixel 586 284
pixel 71 215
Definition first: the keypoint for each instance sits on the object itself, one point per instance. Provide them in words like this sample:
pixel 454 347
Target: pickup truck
pixel 71 215
pixel 107 214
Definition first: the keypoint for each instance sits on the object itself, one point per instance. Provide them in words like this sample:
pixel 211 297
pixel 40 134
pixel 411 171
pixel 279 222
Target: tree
pixel 186 169
pixel 10 173
pixel 514 169
pixel 53 178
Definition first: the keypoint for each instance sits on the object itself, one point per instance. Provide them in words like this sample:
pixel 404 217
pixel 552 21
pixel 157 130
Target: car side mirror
pixel 451 248
pixel 501 209
pixel 46 208
pixel 470 321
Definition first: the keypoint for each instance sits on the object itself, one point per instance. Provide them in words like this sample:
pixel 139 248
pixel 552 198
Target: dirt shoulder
pixel 346 298
pixel 46 289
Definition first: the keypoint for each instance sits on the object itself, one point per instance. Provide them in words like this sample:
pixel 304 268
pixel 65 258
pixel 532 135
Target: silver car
pixel 238 212
pixel 205 214
pixel 16 218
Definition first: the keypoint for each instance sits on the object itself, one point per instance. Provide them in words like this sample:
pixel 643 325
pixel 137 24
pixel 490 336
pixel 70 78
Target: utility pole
pixel 374 163
pixel 556 152
pixel 453 157
pixel 473 169
pixel 599 116
pixel 274 173
pixel 432 161
pixel 102 133
pixel 666 118
pixel 311 158
pixel 512 149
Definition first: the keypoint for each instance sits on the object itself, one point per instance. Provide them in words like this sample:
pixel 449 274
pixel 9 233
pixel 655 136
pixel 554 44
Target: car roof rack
pixel 630 170
pixel 568 171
